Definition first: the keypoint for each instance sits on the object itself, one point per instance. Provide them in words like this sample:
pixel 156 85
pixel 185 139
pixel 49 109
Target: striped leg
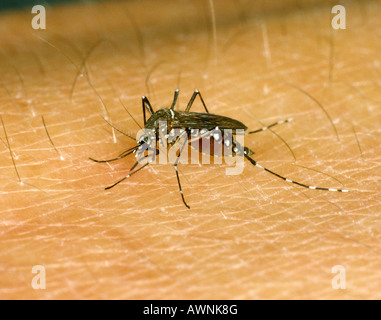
pixel 177 172
pixel 270 126
pixel 195 94
pixel 129 175
pixel 132 173
pixel 286 179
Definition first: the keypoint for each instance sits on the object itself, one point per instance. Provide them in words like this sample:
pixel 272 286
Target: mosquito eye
pixel 143 139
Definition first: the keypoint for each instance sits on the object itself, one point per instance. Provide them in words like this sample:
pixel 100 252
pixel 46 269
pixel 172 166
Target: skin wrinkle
pixel 246 236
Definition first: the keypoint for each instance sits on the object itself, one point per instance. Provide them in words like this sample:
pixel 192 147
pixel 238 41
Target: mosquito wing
pixel 207 121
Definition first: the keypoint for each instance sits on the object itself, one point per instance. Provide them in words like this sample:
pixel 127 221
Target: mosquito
pixel 187 121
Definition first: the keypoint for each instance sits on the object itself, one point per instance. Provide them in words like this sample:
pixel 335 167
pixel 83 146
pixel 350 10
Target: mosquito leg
pixel 134 166
pixel 192 100
pixel 121 156
pixel 129 175
pixel 181 191
pixel 138 161
pixel 175 99
pixel 177 172
pixel 269 126
pixel 146 104
pixel 245 152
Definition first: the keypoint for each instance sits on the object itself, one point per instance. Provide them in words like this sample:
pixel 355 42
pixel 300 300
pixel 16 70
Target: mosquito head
pixel 145 139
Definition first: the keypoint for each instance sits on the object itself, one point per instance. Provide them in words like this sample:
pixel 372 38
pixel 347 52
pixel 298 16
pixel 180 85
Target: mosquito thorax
pixel 159 115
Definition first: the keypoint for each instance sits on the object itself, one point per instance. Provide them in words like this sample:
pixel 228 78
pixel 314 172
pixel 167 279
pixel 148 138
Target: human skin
pixel 245 236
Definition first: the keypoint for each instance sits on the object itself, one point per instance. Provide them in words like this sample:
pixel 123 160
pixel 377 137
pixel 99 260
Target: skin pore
pixel 246 236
